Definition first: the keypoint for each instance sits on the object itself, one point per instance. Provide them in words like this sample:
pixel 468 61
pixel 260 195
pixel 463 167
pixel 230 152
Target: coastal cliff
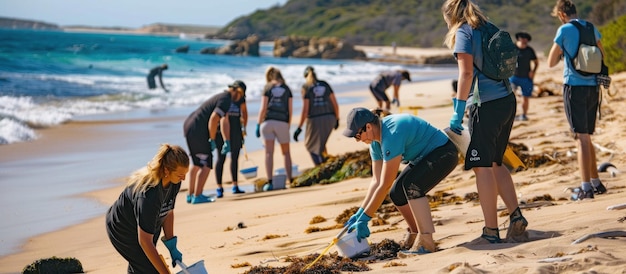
pixel 13 23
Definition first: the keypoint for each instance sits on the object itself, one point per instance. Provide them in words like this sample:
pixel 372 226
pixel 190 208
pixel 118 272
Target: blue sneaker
pixel 236 190
pixel 201 199
pixel 220 192
pixel 189 198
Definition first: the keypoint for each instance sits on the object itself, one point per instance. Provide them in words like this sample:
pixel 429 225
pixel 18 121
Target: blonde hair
pixel 311 78
pixel 168 158
pixel 273 74
pixel 459 12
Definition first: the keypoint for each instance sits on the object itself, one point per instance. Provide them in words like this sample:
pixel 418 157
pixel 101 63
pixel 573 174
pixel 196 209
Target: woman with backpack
pixel 274 120
pixel 491 116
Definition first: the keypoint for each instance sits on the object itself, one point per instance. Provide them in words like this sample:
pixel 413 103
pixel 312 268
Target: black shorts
pixel 379 95
pixel 200 149
pixel 490 128
pixel 581 107
pixel 416 180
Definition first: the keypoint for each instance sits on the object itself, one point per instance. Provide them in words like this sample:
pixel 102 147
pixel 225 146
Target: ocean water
pixel 51 77
pixel 48 78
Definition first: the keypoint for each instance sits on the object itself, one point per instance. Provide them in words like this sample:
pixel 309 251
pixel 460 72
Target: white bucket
pixel 279 181
pixel 460 141
pixel 349 246
pixel 281 171
pixel 197 268
pixel 249 173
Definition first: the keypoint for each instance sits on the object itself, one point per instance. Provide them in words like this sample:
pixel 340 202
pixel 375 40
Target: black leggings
pixel 416 180
pixel 221 159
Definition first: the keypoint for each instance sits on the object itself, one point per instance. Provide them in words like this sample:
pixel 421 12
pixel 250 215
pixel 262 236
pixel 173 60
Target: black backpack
pixel 588 58
pixel 499 52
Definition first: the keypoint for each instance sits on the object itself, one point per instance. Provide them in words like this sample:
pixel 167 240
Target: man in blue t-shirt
pixel 580 96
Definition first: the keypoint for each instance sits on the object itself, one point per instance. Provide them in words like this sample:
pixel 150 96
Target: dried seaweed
pixel 54 265
pixel 332 264
pixel 337 168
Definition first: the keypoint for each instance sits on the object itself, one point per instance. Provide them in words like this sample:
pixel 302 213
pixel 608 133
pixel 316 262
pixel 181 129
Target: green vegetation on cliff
pixel 415 23
pixel 614 42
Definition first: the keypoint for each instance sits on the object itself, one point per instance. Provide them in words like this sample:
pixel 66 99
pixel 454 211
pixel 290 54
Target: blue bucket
pixel 249 173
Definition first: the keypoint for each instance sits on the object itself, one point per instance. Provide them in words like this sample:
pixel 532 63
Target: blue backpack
pixel 499 52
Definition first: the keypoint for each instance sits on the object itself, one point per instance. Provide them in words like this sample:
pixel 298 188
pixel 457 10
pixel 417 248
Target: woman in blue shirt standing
pixel 430 157
pixel 490 123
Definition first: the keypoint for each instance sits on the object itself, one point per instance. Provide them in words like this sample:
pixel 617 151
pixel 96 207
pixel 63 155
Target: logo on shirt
pixel 387 153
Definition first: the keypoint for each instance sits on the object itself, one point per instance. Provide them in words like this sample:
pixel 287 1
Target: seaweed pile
pixel 333 263
pixel 337 168
pixel 54 265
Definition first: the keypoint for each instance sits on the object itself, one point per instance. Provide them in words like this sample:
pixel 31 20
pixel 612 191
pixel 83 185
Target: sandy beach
pixel 276 222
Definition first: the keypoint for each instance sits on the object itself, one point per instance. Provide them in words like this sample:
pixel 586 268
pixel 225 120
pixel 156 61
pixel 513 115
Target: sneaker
pixel 396 102
pixel 409 253
pixel 201 199
pixel 236 190
pixel 579 194
pixel 188 198
pixel 517 228
pixel 220 192
pixel 600 189
pixel 492 235
pixel 521 118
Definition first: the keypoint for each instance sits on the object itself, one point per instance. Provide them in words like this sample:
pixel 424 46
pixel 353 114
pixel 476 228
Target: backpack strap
pixel 586 36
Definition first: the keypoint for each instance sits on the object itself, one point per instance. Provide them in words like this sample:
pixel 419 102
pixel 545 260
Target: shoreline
pixel 63 148
pixel 203 234
pixel 106 194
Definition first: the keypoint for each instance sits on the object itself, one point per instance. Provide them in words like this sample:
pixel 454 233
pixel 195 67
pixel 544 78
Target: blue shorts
pixel 525 83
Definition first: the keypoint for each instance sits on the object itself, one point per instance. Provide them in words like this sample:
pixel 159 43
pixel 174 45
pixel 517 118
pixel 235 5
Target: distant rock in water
pixel 246 47
pixel 321 48
pixel 13 23
pixel 183 49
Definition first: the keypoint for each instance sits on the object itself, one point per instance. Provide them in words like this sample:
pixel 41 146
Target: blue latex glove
pixel 362 231
pixel 213 145
pixel 296 134
pixel 226 147
pixel 354 217
pixel 174 253
pixel 258 131
pixel 457 116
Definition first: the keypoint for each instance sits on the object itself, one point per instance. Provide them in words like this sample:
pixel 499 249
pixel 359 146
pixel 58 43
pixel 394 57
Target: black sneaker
pixel 579 194
pixel 492 235
pixel 517 228
pixel 600 189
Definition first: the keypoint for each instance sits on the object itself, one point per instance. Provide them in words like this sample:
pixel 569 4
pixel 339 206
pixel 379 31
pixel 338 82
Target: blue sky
pixel 132 13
